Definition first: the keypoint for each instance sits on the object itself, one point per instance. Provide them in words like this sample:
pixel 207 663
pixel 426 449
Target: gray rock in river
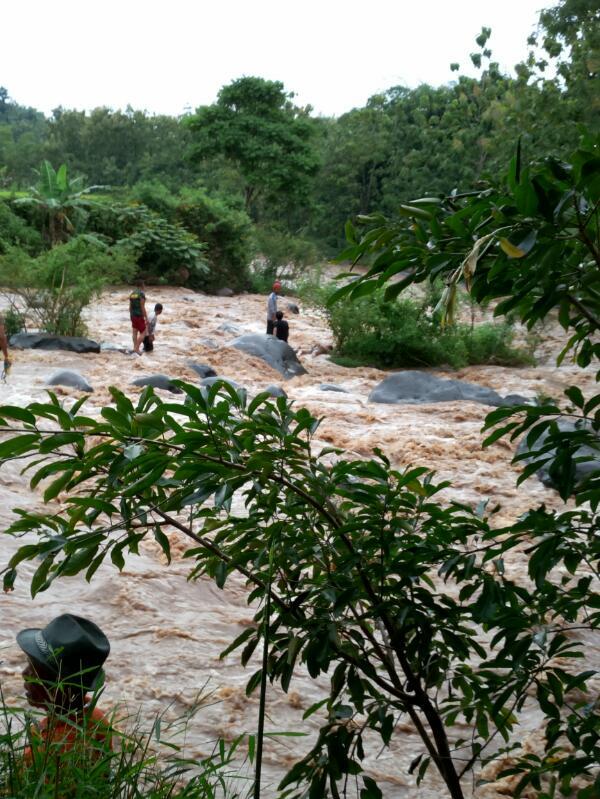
pixel 276 353
pixel 210 381
pixel 48 341
pixel 332 387
pixel 414 388
pixel 68 378
pixel 228 327
pixel 202 369
pixel 224 292
pixel 291 306
pixel 157 381
pixel 582 470
pixel 208 342
pixel 107 346
pixel 275 391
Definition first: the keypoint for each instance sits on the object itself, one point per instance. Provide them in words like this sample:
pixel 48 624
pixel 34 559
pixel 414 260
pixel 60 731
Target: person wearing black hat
pixel 65 661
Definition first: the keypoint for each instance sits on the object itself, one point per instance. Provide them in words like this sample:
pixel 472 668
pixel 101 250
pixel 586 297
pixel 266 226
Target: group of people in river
pixel 143 327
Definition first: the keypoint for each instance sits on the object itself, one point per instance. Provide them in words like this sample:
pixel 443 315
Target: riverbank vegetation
pixel 356 569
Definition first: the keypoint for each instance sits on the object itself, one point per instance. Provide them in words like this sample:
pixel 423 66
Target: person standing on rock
pixel 272 308
pixel 282 329
pixel 138 315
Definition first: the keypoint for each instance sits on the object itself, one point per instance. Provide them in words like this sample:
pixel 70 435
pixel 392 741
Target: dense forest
pixel 199 196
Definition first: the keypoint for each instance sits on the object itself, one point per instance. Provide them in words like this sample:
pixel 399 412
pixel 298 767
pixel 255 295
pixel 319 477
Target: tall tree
pixel 255 124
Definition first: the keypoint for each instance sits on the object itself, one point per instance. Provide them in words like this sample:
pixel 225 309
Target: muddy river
pixel 167 633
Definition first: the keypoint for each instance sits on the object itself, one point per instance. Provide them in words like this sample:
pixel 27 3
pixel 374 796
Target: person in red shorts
pixel 139 317
pixel 65 661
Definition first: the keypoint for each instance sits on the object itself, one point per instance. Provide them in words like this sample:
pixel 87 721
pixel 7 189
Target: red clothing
pixel 68 731
pixel 138 323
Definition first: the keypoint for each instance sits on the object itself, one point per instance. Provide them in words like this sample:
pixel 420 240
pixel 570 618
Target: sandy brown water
pixel 167 633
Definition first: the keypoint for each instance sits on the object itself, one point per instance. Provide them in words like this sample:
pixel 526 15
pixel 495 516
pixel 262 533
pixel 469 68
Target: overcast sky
pixel 167 56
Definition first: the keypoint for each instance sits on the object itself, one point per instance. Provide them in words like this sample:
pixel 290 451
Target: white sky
pixel 166 55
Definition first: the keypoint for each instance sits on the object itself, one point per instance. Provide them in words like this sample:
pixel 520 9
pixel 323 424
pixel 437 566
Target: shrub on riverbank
pixel 405 332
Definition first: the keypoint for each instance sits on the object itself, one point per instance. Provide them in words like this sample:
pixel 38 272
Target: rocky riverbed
pixel 167 633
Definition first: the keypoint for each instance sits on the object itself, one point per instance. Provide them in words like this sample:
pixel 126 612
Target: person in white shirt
pixel 272 307
pixel 151 327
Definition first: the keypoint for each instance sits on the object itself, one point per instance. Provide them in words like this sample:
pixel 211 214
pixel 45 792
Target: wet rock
pixel 157 381
pixel 582 470
pixel 228 327
pixel 210 381
pixel 275 391
pixel 517 399
pixel 276 353
pixel 321 349
pixel 291 306
pixel 224 292
pixel 209 342
pixel 48 341
pixel 202 369
pixel 108 347
pixel 332 387
pixel 414 388
pixel 68 378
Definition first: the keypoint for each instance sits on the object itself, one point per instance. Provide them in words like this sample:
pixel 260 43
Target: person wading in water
pixel 138 315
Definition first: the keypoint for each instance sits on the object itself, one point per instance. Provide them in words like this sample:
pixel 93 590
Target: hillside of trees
pixel 254 174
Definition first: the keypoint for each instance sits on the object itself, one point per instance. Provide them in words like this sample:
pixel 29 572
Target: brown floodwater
pixel 167 633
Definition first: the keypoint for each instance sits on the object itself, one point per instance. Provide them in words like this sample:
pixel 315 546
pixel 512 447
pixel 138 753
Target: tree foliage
pixel 52 289
pixel 254 124
pixel 359 571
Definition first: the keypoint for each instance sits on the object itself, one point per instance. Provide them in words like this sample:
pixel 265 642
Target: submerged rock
pixel 276 353
pixel 582 470
pixel 210 381
pixel 157 381
pixel 413 388
pixel 228 327
pixel 68 378
pixel 48 341
pixel 106 346
pixel 332 387
pixel 275 391
pixel 202 369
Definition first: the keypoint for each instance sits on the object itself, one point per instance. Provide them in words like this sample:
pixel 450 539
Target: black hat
pixel 70 647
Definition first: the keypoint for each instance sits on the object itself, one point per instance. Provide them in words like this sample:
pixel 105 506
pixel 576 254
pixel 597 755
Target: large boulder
pixel 414 388
pixel 582 470
pixel 71 379
pixel 276 353
pixel 157 381
pixel 202 369
pixel 291 306
pixel 224 292
pixel 48 341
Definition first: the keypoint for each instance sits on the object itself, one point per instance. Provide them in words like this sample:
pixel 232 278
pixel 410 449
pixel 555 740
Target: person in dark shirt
pixel 282 329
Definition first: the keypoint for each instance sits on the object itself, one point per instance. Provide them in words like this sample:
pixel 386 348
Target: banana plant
pixel 62 201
